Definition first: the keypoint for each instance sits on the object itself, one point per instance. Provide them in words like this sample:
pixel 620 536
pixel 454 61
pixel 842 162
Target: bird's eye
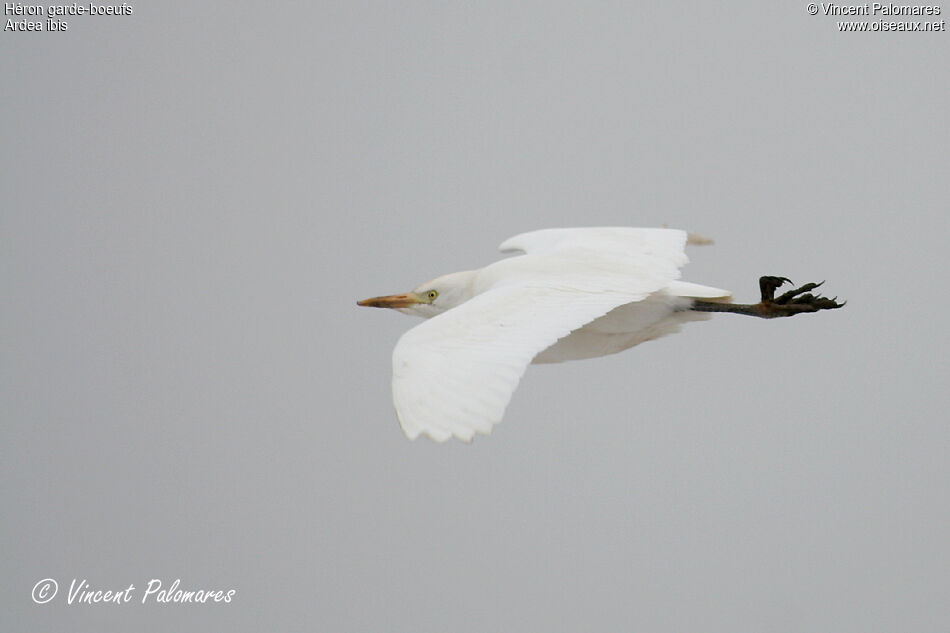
pixel 432 294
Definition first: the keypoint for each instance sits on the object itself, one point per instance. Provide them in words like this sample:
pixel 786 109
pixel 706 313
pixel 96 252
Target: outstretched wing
pixel 615 242
pixel 454 374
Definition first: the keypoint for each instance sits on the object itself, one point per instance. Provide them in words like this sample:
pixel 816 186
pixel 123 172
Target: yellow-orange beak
pixel 391 301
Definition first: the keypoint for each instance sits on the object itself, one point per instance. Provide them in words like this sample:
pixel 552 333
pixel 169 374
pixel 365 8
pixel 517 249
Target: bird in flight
pixel 571 294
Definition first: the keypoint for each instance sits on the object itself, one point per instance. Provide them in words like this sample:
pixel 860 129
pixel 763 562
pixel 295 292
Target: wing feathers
pixel 454 376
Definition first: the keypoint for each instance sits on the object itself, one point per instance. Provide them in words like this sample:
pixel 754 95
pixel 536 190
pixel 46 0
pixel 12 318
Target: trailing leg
pixel 793 302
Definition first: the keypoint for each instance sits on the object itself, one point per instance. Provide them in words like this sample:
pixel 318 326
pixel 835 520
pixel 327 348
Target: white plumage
pixel 573 293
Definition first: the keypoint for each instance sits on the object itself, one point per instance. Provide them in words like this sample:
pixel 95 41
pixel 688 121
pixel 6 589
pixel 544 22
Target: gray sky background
pixel 194 196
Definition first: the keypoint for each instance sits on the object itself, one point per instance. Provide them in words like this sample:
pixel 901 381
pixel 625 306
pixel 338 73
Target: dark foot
pixel 789 304
pixel 792 302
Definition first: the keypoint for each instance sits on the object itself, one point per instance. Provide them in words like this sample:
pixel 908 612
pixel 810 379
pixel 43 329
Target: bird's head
pixel 431 298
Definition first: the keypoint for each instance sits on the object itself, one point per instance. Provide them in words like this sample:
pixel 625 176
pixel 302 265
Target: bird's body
pixel 572 294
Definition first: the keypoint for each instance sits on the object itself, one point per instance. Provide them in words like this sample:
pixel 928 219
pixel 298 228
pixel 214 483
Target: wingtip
pixel 696 239
pixel 440 438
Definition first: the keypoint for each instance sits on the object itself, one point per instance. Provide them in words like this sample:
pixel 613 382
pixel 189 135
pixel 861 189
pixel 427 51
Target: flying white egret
pixel 572 294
